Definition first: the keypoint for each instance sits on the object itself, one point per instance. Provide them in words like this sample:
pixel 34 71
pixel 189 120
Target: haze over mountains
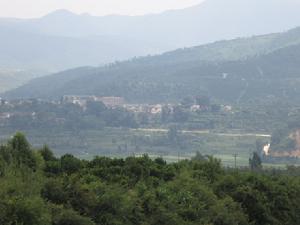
pixel 230 71
pixel 49 53
pixel 64 40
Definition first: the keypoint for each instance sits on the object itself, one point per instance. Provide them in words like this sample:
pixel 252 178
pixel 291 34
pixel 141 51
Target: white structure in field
pixel 266 149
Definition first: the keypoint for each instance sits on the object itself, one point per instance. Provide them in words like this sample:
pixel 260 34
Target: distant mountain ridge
pixel 213 20
pixel 25 50
pixel 229 71
pixel 62 40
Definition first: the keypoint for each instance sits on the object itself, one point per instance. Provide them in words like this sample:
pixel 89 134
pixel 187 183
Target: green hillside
pixel 231 71
pixel 236 49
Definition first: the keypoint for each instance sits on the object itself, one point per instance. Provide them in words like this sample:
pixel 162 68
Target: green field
pixel 115 142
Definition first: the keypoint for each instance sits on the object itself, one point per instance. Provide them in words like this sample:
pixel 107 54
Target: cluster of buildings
pixel 144 108
pixel 111 102
pixel 82 100
pixel 158 108
pixel 4 116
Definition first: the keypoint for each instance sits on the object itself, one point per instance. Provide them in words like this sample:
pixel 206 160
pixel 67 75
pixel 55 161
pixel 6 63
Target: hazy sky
pixel 36 8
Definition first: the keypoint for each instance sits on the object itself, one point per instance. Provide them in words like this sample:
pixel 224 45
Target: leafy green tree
pixel 209 169
pixel 21 151
pixel 255 162
pixel 53 167
pixel 54 192
pixel 47 154
pixel 29 211
pixel 165 114
pixel 142 191
pixel 259 144
pixel 95 108
pixel 70 164
pixel 228 212
pixel 63 216
pixel 2 167
pixel 180 115
pixel 199 157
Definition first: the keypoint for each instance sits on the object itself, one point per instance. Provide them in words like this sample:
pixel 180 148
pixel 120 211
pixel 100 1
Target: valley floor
pixel 115 142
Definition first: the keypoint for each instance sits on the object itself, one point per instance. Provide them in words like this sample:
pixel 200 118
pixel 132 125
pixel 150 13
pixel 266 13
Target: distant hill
pixel 210 21
pixel 230 71
pixel 45 54
pixel 25 50
pixel 62 39
pixel 10 78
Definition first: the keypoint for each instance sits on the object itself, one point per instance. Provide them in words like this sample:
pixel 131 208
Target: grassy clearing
pixel 114 142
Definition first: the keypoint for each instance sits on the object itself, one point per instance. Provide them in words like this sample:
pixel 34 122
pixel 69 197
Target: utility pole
pixel 235 157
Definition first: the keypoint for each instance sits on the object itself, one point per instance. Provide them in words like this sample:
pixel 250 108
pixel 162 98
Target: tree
pixel 69 217
pixel 28 211
pixel 21 151
pixel 165 114
pixel 70 164
pixel 47 154
pixel 54 192
pixel 180 115
pixel 95 108
pixel 255 162
pixel 2 166
pixel 143 118
pixel 199 157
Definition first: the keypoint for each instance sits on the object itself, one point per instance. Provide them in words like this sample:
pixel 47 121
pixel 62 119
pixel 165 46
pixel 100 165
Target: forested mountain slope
pixel 174 75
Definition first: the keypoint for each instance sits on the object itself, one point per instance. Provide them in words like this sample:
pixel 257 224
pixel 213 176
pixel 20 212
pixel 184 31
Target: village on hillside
pixel 110 102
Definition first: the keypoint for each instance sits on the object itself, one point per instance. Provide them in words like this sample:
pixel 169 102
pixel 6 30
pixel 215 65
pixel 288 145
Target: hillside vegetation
pixel 254 69
pixel 39 188
pixel 62 39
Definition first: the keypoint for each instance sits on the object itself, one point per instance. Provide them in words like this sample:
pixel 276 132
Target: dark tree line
pixel 39 188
